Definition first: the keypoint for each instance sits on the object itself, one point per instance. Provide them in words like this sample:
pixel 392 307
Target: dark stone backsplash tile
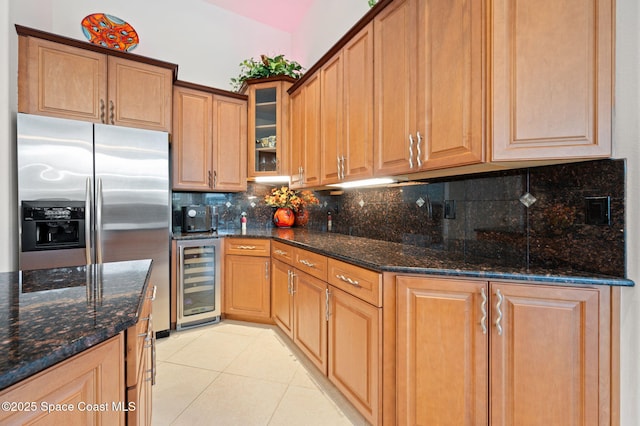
pixel 489 222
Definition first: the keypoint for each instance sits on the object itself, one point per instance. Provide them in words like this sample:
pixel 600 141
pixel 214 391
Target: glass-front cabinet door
pixel 268 125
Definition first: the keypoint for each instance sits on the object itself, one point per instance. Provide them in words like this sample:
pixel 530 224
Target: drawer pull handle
pixel 348 280
pixel 246 247
pixel 280 252
pixel 153 295
pixel 307 263
pixel 483 308
pixel 499 310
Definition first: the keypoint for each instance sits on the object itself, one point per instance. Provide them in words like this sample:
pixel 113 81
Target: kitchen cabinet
pixel 428 85
pixel 472 352
pixel 94 378
pixel 59 79
pixel 346 105
pixel 140 364
pixel 305 135
pixel 247 284
pixel 209 139
pixel 268 141
pixel 551 79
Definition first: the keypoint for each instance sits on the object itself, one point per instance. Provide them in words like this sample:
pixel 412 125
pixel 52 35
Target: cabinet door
pixel 247 287
pixel 450 88
pixel 281 296
pixel 309 318
pixel 62 81
pixel 192 134
pixel 229 144
pixel 545 356
pixel 296 125
pixel 139 95
pixel 331 89
pixel 394 73
pixel 312 144
pixel 355 351
pixel 357 107
pixel 551 79
pixel 442 352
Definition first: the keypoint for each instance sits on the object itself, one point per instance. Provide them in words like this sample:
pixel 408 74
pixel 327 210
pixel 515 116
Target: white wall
pixel 209 62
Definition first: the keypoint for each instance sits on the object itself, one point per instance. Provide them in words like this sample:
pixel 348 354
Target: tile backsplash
pixel 575 217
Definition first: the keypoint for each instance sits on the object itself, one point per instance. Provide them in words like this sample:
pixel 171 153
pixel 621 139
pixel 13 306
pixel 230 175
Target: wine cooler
pixel 198 297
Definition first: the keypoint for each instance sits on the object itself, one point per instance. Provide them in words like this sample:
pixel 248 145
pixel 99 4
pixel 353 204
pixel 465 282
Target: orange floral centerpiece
pixel 290 203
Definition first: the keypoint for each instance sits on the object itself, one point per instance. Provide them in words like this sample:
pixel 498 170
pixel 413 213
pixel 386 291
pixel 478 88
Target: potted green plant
pixel 266 67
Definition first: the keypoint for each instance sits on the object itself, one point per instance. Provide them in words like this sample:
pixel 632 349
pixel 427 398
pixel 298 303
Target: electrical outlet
pixel 598 210
pixel 449 209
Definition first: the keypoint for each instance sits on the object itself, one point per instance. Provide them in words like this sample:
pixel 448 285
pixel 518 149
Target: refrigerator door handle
pixel 99 221
pixel 87 221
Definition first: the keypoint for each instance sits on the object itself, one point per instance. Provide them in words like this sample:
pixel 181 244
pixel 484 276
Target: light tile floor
pixel 236 373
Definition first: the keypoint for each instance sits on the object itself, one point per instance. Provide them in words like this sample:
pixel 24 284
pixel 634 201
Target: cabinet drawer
pixel 283 252
pixel 360 282
pixel 248 247
pixel 138 336
pixel 311 263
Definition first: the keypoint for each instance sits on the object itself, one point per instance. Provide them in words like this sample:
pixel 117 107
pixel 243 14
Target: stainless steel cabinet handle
pixel 246 247
pixel 338 170
pixel 327 293
pixel 111 112
pixel 348 280
pixel 280 252
pixel 209 180
pixel 87 221
pixel 102 111
pixel 307 263
pixel 293 283
pixel 215 178
pixel 266 270
pixel 483 308
pixel 419 151
pixel 289 281
pixel 342 173
pixel 153 295
pixel 499 311
pixel 411 151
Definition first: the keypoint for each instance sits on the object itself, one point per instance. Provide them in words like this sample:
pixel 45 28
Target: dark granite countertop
pixel 387 256
pixel 49 315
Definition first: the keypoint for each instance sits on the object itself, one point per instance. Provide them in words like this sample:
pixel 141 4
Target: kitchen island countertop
pixel 387 256
pixel 49 315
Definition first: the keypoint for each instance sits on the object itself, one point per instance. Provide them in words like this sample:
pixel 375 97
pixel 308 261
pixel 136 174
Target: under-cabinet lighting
pixel 272 179
pixel 364 182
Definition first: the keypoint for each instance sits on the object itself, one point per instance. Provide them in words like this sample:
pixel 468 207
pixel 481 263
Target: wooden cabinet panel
pixel 394 70
pixel 209 141
pixel 61 81
pixel 331 90
pixel 450 83
pixel 545 360
pixel 552 79
pixel 442 353
pixel 297 126
pixel 247 286
pixel 248 246
pixel 312 150
pixel 139 95
pixel 310 321
pixel 192 135
pixel 229 144
pixel 312 263
pixel 91 378
pixel 355 348
pixel 281 296
pixel 360 282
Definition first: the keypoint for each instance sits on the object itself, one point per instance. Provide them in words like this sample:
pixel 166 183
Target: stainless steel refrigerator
pixel 93 193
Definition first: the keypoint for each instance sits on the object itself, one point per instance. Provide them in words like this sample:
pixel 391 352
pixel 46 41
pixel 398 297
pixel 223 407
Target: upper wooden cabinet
pixel 209 139
pixel 552 79
pixel 268 141
pixel 428 85
pixel 346 106
pixel 59 79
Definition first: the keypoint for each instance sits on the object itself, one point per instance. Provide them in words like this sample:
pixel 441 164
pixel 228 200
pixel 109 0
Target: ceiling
pixel 285 15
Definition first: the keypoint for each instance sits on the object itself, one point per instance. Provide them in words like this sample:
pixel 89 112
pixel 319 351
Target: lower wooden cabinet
pixel 92 383
pixel 355 351
pixel 247 286
pixel 547 349
pixel 281 296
